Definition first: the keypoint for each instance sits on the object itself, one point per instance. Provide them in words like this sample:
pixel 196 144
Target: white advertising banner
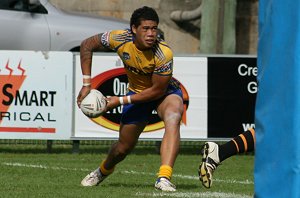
pixel 36 95
pixel 108 76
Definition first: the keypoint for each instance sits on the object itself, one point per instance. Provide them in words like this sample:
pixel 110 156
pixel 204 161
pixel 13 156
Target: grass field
pixel 29 171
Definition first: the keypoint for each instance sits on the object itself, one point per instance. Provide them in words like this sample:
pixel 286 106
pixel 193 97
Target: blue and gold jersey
pixel 139 65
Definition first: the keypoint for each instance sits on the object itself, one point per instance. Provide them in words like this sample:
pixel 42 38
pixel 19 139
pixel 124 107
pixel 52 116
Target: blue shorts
pixel 141 112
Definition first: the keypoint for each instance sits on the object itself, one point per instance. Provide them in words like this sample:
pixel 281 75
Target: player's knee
pixel 174 117
pixel 123 150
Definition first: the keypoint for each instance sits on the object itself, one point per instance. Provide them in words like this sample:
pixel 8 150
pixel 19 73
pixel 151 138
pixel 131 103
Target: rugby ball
pixel 93 105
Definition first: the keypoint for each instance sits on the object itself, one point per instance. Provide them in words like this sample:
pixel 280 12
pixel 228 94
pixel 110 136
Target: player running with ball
pixel 148 63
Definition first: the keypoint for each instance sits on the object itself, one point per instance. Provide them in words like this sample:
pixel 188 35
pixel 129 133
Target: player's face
pixel 145 34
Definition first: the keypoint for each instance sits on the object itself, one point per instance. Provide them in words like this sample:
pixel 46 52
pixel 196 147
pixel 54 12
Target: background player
pixel 214 154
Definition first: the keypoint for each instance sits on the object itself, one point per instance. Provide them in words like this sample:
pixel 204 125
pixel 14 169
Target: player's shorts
pixel 141 112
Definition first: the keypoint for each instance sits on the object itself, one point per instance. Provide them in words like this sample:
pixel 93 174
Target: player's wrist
pixel 128 99
pixel 121 100
pixel 86 80
pixel 86 84
pixel 86 76
pixel 125 100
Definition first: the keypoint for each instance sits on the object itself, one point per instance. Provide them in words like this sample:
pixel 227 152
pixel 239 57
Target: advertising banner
pixel 36 98
pixel 38 92
pixel 232 89
pixel 108 76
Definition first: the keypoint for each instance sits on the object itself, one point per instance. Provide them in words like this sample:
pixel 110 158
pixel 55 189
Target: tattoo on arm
pixel 87 47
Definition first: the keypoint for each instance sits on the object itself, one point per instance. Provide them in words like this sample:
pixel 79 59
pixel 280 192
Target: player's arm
pixel 160 81
pixel 157 90
pixel 87 47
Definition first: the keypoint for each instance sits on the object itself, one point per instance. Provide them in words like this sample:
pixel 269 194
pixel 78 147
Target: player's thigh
pixel 129 133
pixel 171 105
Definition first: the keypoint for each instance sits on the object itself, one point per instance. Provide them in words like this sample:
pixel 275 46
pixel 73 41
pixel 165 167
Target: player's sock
pixel 240 144
pixel 105 171
pixel 165 171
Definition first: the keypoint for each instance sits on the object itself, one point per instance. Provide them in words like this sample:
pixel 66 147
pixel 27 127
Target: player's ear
pixel 133 29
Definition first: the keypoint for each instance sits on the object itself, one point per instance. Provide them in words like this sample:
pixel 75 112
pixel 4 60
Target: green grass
pixel 29 171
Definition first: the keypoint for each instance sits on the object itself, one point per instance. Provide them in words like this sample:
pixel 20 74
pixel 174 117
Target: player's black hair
pixel 143 13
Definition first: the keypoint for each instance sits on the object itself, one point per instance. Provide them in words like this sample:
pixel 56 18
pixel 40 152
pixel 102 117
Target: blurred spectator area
pixel 233 22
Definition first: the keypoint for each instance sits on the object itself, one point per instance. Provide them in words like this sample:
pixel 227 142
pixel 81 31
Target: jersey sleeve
pixel 113 39
pixel 164 66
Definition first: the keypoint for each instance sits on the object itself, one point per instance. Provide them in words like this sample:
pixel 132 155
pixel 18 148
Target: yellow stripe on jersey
pixel 139 65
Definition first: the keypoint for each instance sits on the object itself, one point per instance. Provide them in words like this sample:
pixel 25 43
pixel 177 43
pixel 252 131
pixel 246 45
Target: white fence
pixel 38 92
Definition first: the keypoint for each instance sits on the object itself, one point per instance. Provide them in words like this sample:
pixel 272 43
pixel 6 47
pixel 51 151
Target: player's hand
pixel 112 102
pixel 85 90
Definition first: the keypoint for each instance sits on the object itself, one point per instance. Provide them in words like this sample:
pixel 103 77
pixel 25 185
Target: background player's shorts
pixel 141 112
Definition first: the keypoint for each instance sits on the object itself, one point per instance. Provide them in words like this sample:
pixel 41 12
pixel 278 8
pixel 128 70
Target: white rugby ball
pixel 93 105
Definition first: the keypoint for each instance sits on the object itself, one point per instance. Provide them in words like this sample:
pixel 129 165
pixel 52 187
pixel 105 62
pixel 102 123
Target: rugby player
pixel 148 62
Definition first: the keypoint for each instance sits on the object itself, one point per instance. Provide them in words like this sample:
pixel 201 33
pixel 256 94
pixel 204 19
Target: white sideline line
pixel 43 167
pixel 194 194
pixel 196 178
pixel 245 182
